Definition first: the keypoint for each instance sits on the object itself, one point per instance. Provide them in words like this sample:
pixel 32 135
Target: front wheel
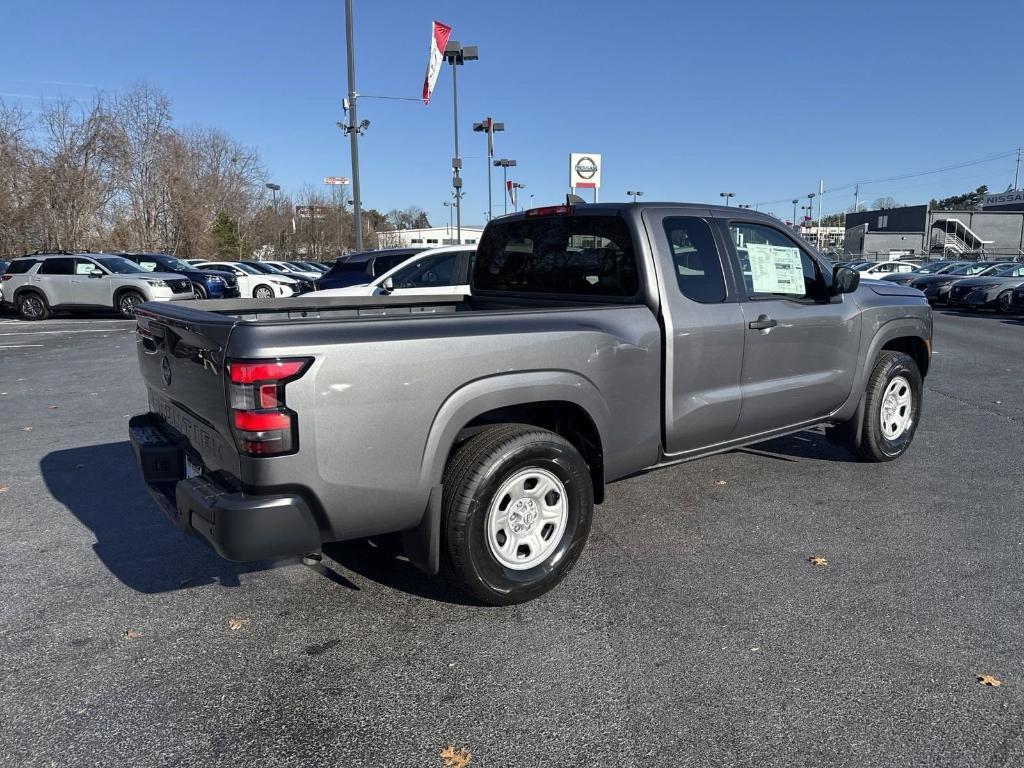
pixel 892 407
pixel 128 302
pixel 1004 301
pixel 517 509
pixel 263 292
pixel 198 292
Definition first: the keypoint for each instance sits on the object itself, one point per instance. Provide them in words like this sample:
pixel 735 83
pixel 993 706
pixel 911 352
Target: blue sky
pixel 683 99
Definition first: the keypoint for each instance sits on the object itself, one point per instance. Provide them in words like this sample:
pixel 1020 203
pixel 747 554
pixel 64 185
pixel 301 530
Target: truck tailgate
pixel 181 356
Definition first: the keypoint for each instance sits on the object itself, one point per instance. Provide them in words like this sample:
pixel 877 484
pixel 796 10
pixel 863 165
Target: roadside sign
pixel 336 181
pixel 585 170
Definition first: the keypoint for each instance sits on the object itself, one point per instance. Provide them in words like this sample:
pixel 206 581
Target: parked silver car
pixel 40 283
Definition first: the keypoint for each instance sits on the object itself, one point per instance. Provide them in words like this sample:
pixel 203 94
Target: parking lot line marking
pixel 18 346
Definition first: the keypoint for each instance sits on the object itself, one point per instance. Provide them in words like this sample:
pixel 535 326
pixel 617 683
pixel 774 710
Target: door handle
pixel 763 323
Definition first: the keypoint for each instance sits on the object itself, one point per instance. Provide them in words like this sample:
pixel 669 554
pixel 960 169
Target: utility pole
pixel 1016 173
pixel 351 129
pixel 821 196
pixel 856 197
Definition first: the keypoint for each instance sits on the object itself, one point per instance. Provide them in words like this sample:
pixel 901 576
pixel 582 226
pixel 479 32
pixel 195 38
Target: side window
pixel 86 267
pixel 58 267
pixel 772 264
pixel 698 266
pixel 20 266
pixel 149 265
pixel 427 273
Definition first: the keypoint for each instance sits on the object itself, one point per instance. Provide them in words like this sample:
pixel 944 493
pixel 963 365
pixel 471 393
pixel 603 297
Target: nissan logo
pixel 586 168
pixel 165 371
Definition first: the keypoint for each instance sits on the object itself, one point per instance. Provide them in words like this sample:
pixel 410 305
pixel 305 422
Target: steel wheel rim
pixel 527 519
pixel 897 409
pixel 1004 301
pixel 32 306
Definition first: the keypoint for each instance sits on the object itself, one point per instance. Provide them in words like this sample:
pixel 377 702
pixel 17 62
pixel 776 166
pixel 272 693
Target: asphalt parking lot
pixel 694 631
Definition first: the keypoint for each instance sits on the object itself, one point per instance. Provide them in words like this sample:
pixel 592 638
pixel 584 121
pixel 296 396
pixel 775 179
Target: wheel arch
pixel 122 290
pixel 560 401
pixel 21 291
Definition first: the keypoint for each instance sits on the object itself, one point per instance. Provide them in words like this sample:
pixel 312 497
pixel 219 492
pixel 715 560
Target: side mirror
pixel 844 280
pixel 96 273
pixel 387 286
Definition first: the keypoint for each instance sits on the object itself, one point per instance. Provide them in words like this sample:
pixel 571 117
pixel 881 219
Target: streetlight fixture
pixel 795 201
pixel 505 164
pixel 274 189
pixel 451 210
pixel 727 195
pixel 635 195
pixel 515 199
pixel 488 126
pixel 457 55
pixel 744 205
pixel 810 210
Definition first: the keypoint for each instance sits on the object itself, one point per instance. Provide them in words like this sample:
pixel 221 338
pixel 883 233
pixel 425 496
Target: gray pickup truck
pixel 599 341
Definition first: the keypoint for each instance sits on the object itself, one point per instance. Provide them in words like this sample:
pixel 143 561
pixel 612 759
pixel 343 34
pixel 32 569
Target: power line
pixel 916 174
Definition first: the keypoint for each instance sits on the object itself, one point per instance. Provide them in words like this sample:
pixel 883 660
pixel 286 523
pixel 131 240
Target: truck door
pixel 801 345
pixel 54 277
pixel 703 326
pixel 89 290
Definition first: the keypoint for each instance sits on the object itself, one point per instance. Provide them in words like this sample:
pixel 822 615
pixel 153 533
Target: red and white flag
pixel 511 189
pixel 439 34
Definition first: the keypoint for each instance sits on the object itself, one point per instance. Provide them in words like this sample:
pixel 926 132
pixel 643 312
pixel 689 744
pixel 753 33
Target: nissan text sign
pixel 1011 197
pixel 585 170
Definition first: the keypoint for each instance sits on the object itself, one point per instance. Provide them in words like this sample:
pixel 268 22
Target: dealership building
pixel 917 231
pixel 428 237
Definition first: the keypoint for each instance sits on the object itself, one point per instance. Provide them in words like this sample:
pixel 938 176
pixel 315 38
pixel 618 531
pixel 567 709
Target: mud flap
pixel 422 544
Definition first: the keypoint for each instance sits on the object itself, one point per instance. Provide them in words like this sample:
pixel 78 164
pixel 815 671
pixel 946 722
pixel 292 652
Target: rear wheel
pixel 1004 301
pixel 517 508
pixel 198 292
pixel 128 302
pixel 263 292
pixel 32 306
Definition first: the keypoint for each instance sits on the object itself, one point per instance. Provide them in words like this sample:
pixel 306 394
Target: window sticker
pixel 776 269
pixel 84 268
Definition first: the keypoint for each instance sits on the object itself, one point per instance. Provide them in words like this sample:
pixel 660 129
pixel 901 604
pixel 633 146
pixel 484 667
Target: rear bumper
pixel 239 526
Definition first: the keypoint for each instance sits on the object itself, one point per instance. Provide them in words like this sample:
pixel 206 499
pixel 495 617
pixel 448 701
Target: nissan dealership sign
pixel 585 170
pixel 1012 197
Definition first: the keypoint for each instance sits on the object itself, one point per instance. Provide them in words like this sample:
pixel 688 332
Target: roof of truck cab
pixel 619 207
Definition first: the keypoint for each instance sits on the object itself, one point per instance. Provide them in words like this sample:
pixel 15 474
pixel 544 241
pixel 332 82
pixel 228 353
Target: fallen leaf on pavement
pixel 989 680
pixel 453 759
pixel 131 634
pixel 54 407
pixel 234 624
pixel 4 488
pixel 721 482
pixel 26 429
pixel 817 560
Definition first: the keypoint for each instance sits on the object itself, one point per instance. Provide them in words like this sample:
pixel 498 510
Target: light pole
pixel 274 189
pixel 810 208
pixel 727 195
pixel 795 201
pixel 505 164
pixel 451 211
pixel 457 55
pixel 488 126
pixel 352 129
pixel 635 195
pixel 515 199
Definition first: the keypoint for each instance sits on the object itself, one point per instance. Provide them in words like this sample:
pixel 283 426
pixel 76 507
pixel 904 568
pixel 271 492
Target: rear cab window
pixel 21 266
pixel 581 257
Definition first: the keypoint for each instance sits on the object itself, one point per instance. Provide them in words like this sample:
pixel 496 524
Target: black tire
pixel 474 475
pixel 874 444
pixel 32 306
pixel 1004 302
pixel 198 292
pixel 263 292
pixel 127 301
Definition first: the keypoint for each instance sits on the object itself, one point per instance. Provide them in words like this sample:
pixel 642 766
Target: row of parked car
pixel 996 285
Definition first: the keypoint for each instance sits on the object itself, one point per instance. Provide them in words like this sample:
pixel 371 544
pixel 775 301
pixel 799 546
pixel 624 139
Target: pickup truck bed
pixel 465 423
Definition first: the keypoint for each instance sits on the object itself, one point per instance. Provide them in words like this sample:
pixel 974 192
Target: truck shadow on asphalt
pixel 806 444
pixel 102 487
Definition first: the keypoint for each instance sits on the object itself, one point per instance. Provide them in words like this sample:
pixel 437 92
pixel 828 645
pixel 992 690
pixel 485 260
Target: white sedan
pixel 883 268
pixel 294 269
pixel 444 270
pixel 252 282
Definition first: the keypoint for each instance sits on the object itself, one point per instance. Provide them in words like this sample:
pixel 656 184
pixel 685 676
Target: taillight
pixel 260 420
pixel 4 278
pixel 551 210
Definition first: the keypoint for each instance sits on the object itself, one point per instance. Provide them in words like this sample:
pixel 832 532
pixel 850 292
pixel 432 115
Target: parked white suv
pixel 39 283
